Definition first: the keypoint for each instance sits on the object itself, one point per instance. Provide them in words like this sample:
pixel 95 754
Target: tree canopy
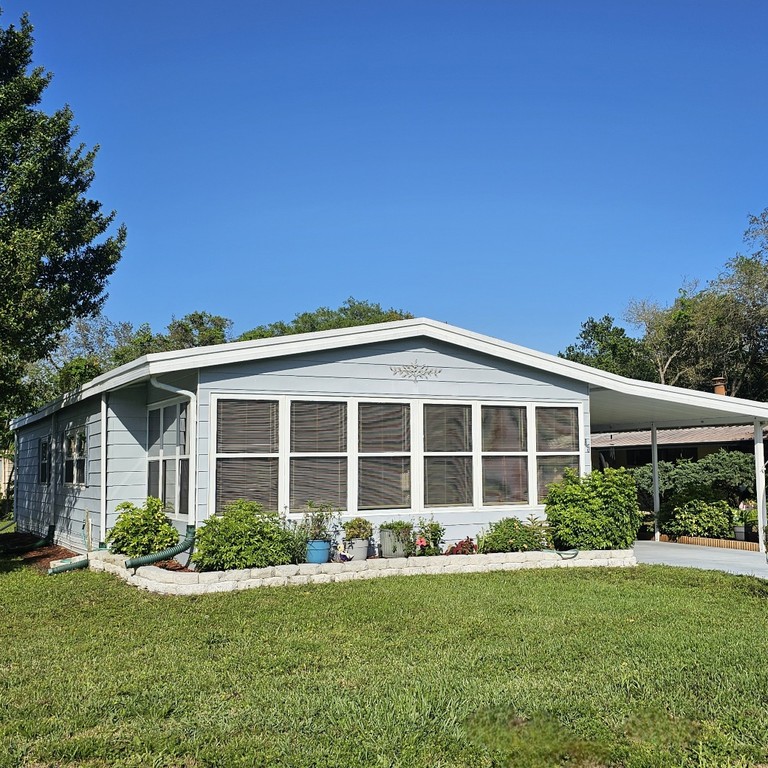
pixel 718 330
pixel 55 254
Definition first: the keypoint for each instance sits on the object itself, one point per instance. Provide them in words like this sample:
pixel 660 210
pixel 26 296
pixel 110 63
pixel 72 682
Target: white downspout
pixel 103 496
pixel 760 482
pixel 192 442
pixel 656 494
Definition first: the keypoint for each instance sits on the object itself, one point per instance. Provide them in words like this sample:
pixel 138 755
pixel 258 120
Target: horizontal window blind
pixel 384 482
pixel 550 469
pixel 447 428
pixel 447 481
pixel 247 426
pixel 505 479
pixel 504 429
pixel 252 479
pixel 384 428
pixel 320 479
pixel 557 429
pixel 318 427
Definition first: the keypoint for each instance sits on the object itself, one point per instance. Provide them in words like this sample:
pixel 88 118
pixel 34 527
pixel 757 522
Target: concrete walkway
pixel 708 558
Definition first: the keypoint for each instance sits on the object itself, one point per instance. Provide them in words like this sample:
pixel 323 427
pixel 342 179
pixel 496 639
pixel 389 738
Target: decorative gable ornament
pixel 415 371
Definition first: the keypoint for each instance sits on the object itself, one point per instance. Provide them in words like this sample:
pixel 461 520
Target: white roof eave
pixel 235 352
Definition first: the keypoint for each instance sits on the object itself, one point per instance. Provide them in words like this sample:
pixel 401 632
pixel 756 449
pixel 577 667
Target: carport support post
pixel 655 467
pixel 760 482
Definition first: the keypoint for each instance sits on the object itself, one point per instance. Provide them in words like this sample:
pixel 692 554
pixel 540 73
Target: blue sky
pixel 510 167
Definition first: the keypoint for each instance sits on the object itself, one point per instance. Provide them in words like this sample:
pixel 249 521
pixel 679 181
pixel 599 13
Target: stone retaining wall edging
pixel 159 580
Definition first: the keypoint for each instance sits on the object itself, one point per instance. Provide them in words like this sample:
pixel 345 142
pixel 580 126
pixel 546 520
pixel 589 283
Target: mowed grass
pixel 650 666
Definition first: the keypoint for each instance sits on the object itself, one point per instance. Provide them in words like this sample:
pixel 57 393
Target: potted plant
pixel 744 519
pixel 319 528
pixel 357 537
pixel 396 538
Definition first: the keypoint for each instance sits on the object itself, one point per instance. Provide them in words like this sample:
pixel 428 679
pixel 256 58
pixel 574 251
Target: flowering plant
pixel 466 547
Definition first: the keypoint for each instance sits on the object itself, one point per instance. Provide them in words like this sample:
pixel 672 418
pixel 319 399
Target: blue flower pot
pixel 318 551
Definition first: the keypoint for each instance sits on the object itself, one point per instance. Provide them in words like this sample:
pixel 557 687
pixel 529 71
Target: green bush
pixel 357 528
pixel 513 535
pixel 599 511
pixel 243 536
pixel 142 530
pixel 722 476
pixel 428 538
pixel 700 518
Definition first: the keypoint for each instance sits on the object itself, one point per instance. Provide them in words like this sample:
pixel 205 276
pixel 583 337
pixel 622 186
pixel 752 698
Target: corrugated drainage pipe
pixel 45 541
pixel 71 566
pixel 166 554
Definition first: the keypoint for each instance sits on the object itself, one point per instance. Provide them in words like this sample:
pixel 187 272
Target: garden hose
pixel 72 565
pixel 166 554
pixel 45 541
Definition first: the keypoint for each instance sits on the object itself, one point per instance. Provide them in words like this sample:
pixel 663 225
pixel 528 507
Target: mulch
pixel 40 557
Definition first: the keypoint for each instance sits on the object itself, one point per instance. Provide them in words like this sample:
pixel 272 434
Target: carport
pixel 618 404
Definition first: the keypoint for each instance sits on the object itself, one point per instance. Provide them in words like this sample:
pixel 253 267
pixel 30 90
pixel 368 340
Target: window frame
pixel 77 458
pixel 177 455
pixel 416 454
pixel 44 441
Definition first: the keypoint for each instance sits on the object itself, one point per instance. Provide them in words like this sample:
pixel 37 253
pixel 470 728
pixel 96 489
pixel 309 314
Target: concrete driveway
pixel 708 558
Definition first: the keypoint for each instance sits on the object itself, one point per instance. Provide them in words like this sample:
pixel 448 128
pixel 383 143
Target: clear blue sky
pixel 508 166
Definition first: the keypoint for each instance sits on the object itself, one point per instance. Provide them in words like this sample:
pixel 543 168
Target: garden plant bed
pixel 701 541
pixel 187 582
pixel 528 668
pixel 41 557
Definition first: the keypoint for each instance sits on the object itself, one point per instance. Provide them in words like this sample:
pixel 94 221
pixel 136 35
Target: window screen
pixel 447 428
pixel 318 427
pixel 253 479
pixel 384 482
pixel 447 481
pixel 384 428
pixel 247 426
pixel 557 429
pixel 550 470
pixel 320 479
pixel 504 429
pixel 505 479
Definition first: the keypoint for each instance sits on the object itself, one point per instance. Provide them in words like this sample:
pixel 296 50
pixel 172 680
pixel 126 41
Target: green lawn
pixel 639 667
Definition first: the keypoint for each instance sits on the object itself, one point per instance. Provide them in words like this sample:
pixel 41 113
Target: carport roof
pixel 616 403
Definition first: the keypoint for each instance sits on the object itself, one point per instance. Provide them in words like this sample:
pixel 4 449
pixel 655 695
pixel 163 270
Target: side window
pixel 44 461
pixel 75 447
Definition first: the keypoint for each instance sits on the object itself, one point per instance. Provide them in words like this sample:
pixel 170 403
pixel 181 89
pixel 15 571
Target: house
pixel 633 449
pixel 403 419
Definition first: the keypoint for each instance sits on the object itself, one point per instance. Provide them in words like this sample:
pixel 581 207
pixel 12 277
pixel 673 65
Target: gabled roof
pixel 616 402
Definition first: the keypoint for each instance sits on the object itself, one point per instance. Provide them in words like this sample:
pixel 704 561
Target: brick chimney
pixel 718 385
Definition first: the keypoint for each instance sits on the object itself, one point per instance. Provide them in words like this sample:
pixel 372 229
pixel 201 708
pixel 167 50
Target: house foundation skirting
pixel 156 579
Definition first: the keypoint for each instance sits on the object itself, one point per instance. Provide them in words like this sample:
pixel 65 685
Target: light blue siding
pixel 368 372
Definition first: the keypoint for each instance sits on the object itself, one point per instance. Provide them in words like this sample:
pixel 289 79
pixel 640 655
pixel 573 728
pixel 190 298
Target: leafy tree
pixel 351 313
pixel 54 262
pixel 606 346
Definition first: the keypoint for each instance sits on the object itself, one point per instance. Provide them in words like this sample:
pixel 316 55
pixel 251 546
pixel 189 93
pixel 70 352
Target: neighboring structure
pixel 411 418
pixel 633 449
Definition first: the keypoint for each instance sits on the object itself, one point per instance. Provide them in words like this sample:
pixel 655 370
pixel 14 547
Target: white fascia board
pixel 281 346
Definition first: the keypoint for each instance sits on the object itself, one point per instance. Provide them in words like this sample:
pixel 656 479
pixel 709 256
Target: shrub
pixel 429 537
pixel 512 535
pixel 142 530
pixel 599 511
pixel 243 536
pixel 465 547
pixel 358 528
pixel 700 518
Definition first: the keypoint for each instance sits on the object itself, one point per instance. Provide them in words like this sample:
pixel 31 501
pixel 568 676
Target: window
pixel 505 458
pixel 318 464
pixel 557 445
pixel 168 457
pixel 362 455
pixel 247 443
pixel 44 461
pixel 74 456
pixel 447 455
pixel 384 463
